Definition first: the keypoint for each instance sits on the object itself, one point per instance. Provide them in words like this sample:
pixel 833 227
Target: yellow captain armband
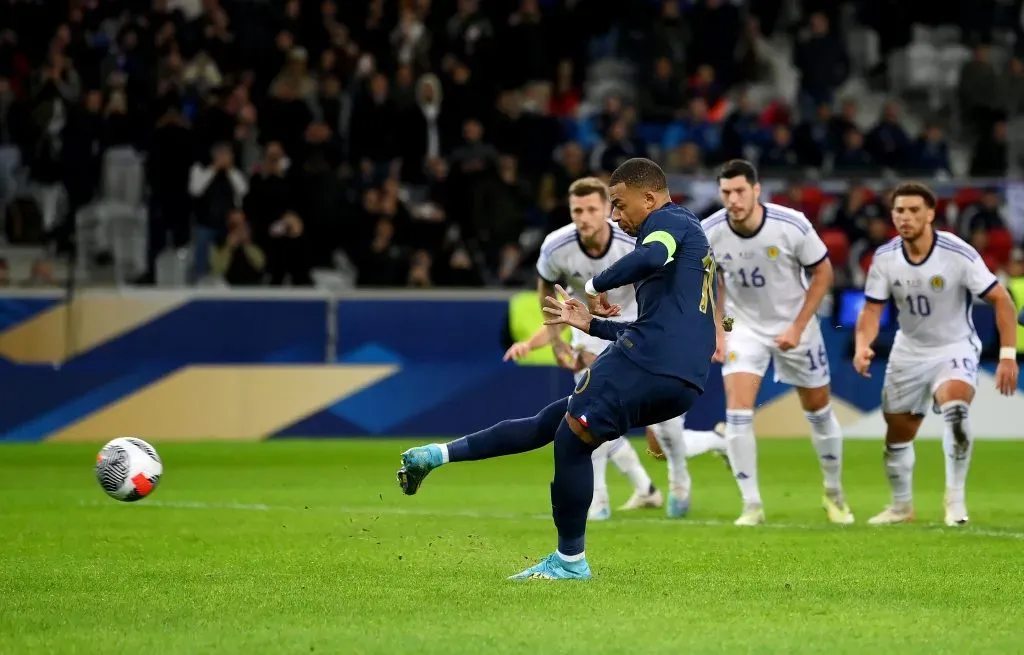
pixel 665 239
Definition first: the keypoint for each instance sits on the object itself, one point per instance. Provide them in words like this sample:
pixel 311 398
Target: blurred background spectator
pixel 429 143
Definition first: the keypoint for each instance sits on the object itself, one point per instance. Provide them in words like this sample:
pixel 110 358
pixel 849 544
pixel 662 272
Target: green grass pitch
pixel 310 547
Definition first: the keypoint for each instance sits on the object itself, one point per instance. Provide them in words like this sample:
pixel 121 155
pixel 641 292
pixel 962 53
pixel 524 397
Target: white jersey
pixel 933 297
pixel 563 260
pixel 765 282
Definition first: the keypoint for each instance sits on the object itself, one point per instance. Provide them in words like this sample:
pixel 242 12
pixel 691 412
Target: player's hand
pixel 564 310
pixel 516 352
pixel 862 361
pixel 599 306
pixel 789 339
pixel 565 356
pixel 719 356
pixel 1006 376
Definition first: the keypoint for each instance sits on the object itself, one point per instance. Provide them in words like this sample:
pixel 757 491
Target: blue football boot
pixel 554 567
pixel 416 464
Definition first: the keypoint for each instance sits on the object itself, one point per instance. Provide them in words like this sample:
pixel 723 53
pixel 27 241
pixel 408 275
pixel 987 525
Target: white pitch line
pixel 996 532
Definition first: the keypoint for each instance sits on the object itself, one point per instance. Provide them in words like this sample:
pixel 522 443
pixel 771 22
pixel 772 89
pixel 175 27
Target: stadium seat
pixel 838 246
pixel 966 196
pixel 1000 245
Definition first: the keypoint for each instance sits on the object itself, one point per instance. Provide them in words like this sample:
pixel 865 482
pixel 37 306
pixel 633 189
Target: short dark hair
pixel 737 167
pixel 915 189
pixel 640 173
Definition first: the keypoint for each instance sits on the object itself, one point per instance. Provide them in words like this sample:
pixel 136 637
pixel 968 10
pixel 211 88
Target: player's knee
pixel 738 423
pixel 815 400
pixel 955 412
pixel 821 420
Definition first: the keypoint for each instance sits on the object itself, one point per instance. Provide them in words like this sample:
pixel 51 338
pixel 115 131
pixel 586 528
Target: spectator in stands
pixel 812 141
pixel 779 157
pixel 662 97
pixel 979 94
pixel 233 255
pixel 5 273
pixel 671 35
pixel 854 212
pixel 697 128
pixel 821 57
pixel 217 188
pixel 1015 87
pixel 983 215
pixel 742 129
pixel 887 142
pixel 991 157
pixel 852 158
pixel 930 153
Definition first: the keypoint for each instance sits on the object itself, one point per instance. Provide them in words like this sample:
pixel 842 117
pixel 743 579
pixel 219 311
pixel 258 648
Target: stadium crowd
pixel 432 141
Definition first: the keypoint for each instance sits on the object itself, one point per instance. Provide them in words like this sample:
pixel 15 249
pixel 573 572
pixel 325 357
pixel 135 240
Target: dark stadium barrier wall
pixel 248 365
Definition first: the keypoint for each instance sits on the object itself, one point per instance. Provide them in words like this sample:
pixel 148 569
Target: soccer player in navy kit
pixel 654 371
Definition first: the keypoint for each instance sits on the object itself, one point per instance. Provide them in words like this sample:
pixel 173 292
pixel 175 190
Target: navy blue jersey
pixel 673 272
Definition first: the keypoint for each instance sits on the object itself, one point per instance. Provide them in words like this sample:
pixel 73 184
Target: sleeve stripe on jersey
pixel 888 247
pixel 715 219
pixel 960 251
pixel 820 259
pixel 877 301
pixel 989 288
pixel 561 242
pixel 790 220
pixel 665 239
pixel 953 246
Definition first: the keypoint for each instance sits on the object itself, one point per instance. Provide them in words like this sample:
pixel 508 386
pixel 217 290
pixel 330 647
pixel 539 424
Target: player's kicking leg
pixel 506 438
pixel 827 437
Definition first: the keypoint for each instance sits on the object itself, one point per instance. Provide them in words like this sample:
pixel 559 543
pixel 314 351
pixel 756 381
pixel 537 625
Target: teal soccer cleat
pixel 678 505
pixel 416 464
pixel 554 567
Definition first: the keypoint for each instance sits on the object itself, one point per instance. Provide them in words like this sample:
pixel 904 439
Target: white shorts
pixel 583 342
pixel 912 378
pixel 805 366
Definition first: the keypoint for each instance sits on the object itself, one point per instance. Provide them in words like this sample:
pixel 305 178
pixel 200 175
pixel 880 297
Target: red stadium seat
pixel 838 246
pixel 813 201
pixel 1000 245
pixel 865 261
pixel 967 196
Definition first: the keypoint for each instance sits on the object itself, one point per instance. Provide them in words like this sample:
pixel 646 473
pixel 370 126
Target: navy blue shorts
pixel 615 395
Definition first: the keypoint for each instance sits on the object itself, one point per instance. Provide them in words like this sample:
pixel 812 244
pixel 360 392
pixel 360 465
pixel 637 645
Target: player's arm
pixel 869 321
pixel 655 251
pixel 822 276
pixel 813 256
pixel 551 332
pixel 604 329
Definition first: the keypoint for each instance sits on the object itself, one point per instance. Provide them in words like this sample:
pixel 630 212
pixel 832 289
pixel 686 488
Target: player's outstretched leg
pixel 957 446
pixel 571 492
pixel 670 436
pixel 506 438
pixel 600 507
pixel 827 437
pixel 645 494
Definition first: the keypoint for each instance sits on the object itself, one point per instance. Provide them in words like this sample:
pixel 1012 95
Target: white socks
pixel 827 437
pixel 671 438
pixel 600 461
pixel 624 456
pixel 899 467
pixel 699 442
pixel 957 446
pixel 742 450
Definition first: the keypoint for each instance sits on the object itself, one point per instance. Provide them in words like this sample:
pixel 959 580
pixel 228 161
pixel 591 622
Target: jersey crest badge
pixel 937 283
pixel 772 252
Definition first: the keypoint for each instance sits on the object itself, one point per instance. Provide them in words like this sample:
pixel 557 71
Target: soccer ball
pixel 128 469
